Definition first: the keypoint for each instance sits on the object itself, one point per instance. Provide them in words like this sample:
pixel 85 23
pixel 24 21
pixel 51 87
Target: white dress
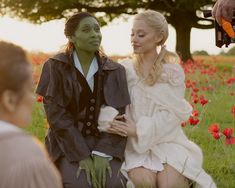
pixel 158 112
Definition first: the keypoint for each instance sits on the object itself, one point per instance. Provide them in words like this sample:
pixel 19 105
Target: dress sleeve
pixel 161 127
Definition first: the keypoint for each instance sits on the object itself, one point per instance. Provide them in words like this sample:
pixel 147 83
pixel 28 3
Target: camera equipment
pixel 224 34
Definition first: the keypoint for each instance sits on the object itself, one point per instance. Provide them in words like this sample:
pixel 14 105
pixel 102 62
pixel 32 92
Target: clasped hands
pixel 95 168
pixel 123 126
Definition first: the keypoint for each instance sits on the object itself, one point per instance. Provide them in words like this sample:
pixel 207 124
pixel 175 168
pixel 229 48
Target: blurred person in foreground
pixel 24 163
pixel 223 9
pixel 75 84
pixel 158 153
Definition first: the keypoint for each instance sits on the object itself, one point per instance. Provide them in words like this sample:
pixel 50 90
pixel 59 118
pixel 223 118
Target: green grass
pixel 219 158
pixel 38 125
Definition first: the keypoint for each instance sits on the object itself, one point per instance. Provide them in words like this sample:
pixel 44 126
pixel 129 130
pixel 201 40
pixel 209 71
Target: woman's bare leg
pixel 171 178
pixel 143 178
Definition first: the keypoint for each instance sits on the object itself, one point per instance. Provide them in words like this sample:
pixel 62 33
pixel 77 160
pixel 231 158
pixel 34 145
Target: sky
pixel 49 37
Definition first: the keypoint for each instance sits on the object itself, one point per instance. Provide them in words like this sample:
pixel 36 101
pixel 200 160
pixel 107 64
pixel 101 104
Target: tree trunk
pixel 183 30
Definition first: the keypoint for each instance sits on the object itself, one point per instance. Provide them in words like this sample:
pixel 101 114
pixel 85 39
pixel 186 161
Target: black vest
pixel 89 105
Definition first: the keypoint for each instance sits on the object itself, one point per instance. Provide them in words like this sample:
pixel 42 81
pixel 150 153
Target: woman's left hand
pixel 123 128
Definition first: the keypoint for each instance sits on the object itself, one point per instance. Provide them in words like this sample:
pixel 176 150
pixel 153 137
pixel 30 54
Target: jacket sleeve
pixel 117 96
pixel 69 138
pixel 57 93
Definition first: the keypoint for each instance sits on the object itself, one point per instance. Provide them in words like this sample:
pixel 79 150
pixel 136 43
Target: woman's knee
pixel 142 178
pixel 171 178
pixel 174 184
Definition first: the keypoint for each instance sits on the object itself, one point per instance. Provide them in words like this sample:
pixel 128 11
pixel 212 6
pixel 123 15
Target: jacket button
pixel 88 123
pixel 96 134
pixel 92 100
pixel 92 108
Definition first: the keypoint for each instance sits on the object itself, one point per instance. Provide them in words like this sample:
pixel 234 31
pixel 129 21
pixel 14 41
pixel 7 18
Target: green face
pixel 87 36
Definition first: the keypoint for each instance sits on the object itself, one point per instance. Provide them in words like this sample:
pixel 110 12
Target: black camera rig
pixel 224 35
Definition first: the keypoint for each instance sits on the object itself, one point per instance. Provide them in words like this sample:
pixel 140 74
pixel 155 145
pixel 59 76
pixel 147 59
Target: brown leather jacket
pixel 61 89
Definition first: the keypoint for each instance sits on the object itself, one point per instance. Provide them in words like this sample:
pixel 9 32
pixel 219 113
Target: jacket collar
pixel 104 62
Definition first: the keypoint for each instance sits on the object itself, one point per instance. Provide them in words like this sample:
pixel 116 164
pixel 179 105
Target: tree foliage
pixel 181 14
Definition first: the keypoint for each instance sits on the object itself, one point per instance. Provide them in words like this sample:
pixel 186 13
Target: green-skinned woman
pixel 74 85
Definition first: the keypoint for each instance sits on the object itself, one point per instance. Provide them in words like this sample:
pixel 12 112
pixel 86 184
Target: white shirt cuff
pixel 102 154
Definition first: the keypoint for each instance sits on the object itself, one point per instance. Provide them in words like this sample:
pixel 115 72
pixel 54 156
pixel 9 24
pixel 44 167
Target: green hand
pixel 87 165
pixel 101 164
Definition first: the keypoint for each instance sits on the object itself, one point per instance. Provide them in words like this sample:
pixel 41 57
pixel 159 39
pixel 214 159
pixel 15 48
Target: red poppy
pixel 189 61
pixel 233 111
pixel 230 140
pixel 203 71
pixel 228 132
pixel 203 101
pixel 204 88
pixel 202 97
pixel 195 95
pixel 214 128
pixel 195 113
pixel 193 121
pixel 195 89
pixel 216 135
pixel 39 99
pixel 183 124
pixel 230 80
pixel 188 84
pixel 195 100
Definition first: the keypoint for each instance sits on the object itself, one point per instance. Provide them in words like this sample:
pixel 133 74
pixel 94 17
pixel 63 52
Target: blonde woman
pixel 158 154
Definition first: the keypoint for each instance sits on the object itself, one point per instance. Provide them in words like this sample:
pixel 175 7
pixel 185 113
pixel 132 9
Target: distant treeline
pixel 231 52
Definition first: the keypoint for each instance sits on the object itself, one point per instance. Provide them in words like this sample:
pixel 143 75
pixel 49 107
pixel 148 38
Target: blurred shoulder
pixel 109 64
pixel 23 144
pixel 24 156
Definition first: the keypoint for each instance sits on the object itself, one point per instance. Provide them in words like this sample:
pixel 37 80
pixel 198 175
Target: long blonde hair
pixel 158 22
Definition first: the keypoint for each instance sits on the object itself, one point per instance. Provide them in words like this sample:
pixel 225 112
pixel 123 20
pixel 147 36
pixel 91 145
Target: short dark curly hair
pixel 13 67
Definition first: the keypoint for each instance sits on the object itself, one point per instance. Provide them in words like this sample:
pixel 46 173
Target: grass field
pixel 214 78
pixel 210 89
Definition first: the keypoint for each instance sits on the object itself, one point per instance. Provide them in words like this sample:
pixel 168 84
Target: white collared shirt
pixel 92 70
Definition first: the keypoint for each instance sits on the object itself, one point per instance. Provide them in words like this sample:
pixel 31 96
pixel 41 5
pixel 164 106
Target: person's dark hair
pixel 72 24
pixel 13 67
